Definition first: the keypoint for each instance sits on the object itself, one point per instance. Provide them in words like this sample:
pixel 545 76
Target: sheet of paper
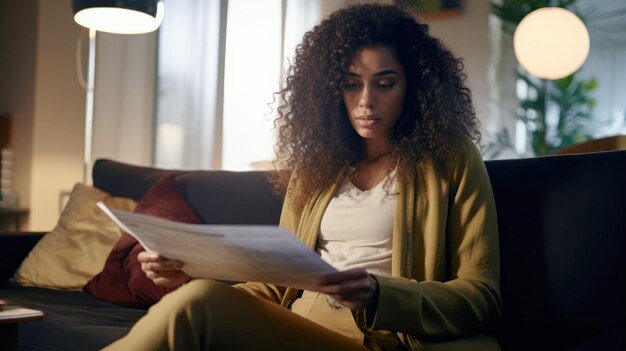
pixel 260 253
pixel 16 312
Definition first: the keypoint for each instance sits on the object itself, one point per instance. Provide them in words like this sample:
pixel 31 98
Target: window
pixel 220 62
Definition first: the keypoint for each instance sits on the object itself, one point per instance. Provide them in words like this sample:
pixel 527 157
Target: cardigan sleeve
pixel 289 219
pixel 469 296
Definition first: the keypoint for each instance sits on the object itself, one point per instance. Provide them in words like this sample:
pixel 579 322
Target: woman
pixel 387 186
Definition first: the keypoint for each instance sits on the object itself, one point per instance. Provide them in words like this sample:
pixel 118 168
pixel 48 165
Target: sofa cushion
pixel 74 321
pixel 77 248
pixel 122 281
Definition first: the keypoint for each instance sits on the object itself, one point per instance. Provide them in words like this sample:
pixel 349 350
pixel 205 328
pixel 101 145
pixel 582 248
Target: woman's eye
pixel 386 85
pixel 351 86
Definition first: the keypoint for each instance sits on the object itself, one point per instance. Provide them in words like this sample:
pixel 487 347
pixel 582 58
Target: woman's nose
pixel 367 100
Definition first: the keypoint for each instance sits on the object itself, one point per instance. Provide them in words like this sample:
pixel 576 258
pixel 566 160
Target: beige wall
pixel 18 44
pixel 58 114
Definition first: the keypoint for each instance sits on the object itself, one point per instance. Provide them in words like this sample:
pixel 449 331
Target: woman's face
pixel 373 92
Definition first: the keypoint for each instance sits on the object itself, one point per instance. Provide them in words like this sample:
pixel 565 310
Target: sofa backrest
pixel 562 229
pixel 218 197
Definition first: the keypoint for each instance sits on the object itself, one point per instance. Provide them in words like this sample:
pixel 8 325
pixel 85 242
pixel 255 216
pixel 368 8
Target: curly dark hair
pixel 314 132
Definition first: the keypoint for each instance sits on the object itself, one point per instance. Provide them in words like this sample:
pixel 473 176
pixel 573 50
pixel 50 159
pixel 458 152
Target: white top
pixel 357 225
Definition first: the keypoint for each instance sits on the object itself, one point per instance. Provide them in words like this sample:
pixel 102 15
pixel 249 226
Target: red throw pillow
pixel 122 281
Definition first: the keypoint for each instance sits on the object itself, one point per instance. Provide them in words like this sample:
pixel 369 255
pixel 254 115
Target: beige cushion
pixel 77 248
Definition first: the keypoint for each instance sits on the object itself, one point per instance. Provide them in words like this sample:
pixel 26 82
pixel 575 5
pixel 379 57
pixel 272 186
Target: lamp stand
pixel 89 106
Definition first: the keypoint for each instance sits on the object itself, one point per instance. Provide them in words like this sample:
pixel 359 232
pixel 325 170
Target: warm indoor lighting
pixel 134 18
pixel 551 43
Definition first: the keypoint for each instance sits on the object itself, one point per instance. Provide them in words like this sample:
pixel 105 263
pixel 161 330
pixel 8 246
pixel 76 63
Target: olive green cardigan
pixel 445 262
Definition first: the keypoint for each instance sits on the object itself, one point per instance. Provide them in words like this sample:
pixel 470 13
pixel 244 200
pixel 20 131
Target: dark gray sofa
pixel 562 234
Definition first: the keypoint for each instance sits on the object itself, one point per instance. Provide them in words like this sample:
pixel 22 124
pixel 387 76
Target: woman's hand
pixel 162 271
pixel 354 288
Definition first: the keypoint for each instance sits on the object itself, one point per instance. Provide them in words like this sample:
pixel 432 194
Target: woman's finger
pixel 339 277
pixel 158 262
pixel 145 256
pixel 348 287
pixel 164 266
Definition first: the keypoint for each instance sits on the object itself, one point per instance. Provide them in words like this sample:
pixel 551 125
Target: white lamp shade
pixel 551 43
pixel 119 20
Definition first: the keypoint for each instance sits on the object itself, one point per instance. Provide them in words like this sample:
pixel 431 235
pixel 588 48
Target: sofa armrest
pixel 14 247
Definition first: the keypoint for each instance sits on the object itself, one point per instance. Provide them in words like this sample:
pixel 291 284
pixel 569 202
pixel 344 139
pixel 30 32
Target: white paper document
pixel 17 312
pixel 259 253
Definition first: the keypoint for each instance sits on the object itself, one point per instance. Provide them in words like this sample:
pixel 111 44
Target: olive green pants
pixel 205 315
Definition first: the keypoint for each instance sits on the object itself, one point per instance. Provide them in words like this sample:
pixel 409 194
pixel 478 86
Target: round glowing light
pixel 119 20
pixel 551 43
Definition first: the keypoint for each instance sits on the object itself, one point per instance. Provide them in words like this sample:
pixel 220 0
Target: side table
pixel 10 317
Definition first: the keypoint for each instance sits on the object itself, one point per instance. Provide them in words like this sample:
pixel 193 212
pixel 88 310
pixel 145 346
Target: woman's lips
pixel 367 121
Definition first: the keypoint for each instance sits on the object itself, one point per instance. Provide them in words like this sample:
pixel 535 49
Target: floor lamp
pixel 112 16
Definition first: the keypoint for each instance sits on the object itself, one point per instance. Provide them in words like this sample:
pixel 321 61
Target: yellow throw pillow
pixel 78 246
